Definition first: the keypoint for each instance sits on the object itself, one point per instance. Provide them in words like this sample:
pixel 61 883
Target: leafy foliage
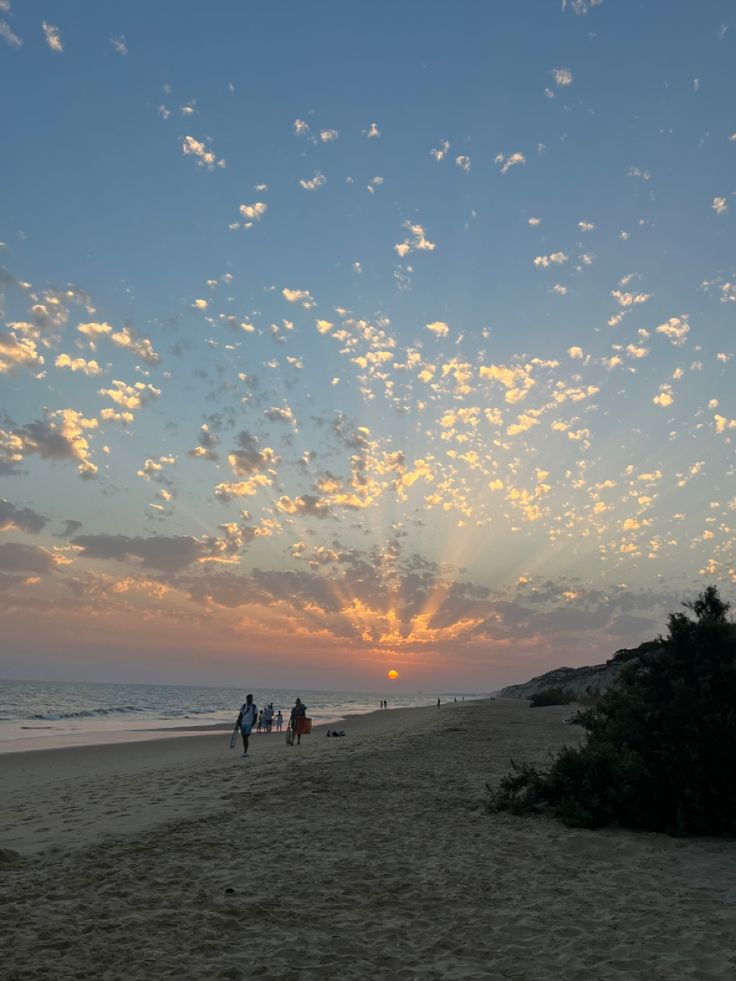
pixel 551 696
pixel 660 752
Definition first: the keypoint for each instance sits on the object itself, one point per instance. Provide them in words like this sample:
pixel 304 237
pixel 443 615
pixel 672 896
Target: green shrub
pixel 660 752
pixel 551 696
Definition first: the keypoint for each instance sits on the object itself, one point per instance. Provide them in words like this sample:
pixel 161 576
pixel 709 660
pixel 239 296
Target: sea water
pixel 85 712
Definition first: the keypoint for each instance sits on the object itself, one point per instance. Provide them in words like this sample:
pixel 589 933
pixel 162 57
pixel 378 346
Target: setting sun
pixel 393 675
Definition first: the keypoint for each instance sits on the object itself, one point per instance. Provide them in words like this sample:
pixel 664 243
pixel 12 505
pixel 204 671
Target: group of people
pixel 267 720
pixel 251 718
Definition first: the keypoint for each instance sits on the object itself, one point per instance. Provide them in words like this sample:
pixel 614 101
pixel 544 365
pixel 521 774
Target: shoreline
pixel 111 737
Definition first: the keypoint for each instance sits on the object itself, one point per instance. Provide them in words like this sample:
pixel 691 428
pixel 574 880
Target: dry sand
pixel 365 857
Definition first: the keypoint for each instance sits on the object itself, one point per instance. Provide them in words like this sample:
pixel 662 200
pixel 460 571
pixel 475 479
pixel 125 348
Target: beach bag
pixel 289 737
pixel 306 726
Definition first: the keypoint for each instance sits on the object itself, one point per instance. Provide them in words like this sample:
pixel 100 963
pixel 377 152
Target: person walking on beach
pixel 296 722
pixel 246 720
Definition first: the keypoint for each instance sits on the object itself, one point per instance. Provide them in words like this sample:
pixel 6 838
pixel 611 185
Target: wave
pixel 87 713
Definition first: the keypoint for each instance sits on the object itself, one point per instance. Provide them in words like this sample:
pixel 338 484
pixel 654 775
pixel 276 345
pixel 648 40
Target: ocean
pixel 40 714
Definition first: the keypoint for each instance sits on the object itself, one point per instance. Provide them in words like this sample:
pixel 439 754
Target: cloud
pixel 586 226
pixel 18 352
pixel 300 127
pixel 440 152
pixel 314 183
pixel 15 557
pixel 675 330
pixel 299 296
pixel 13 518
pixel 580 7
pixel 253 212
pixel 277 414
pixel 665 397
pixel 248 458
pixel 562 76
pixel 228 490
pixel 328 135
pixel 463 163
pixel 305 505
pixel 506 163
pixel 556 258
pixel 140 346
pixel 372 133
pixel 60 436
pixel 204 157
pixel 720 206
pixel 417 240
pixel 53 37
pixel 630 299
pixel 208 441
pixel 438 328
pixel 153 469
pixel 722 423
pixel 88 368
pixel 93 331
pixel 118 43
pixel 169 554
pixel 7 34
pixel 130 396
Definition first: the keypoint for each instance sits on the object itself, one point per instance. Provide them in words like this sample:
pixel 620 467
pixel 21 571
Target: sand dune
pixel 365 857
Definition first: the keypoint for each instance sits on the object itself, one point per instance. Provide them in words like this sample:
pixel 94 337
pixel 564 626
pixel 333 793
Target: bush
pixel 660 752
pixel 551 696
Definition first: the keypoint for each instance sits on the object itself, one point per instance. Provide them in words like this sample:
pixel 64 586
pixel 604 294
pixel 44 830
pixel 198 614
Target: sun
pixel 393 674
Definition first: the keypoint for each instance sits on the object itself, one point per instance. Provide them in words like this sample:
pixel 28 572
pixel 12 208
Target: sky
pixel 353 336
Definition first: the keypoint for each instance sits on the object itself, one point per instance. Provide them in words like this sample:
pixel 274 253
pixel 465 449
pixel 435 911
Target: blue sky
pixel 362 336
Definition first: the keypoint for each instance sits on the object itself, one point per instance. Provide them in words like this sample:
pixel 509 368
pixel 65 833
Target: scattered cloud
pixel 720 206
pixel 53 37
pixel 562 76
pixel 675 330
pixel 555 258
pixel 314 183
pixel 204 156
pixel 506 163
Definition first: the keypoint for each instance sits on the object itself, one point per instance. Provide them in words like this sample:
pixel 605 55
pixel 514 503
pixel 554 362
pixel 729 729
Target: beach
pixel 368 856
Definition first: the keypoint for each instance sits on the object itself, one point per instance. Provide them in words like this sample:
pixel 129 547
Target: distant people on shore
pixel 279 721
pixel 296 721
pixel 438 703
pixel 384 703
pixel 246 720
pixel 268 716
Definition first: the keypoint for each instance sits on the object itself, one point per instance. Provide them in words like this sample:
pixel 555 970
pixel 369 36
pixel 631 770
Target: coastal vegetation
pixel 660 747
pixel 551 696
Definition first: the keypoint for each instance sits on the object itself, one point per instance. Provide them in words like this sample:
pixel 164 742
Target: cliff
pixel 591 680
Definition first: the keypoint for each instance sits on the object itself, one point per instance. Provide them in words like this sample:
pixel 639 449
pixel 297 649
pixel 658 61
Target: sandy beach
pixel 370 856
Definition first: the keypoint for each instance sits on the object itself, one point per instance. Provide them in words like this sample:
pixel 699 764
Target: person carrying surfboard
pixel 246 720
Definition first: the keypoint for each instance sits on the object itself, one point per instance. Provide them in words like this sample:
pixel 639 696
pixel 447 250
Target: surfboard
pixel 234 738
